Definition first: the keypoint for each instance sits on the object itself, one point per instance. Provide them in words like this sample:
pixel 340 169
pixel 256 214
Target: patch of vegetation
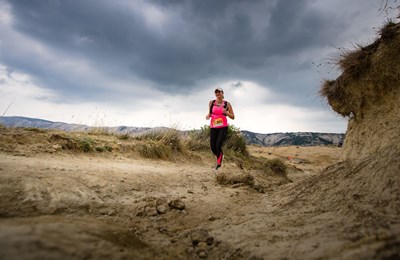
pixel 168 137
pixel 199 140
pixel 99 131
pixel 160 143
pixel 105 148
pixel 277 166
pixel 36 130
pixel 155 150
pixel 267 166
pixel 231 179
pixel 235 141
pixel 125 136
pixel 86 144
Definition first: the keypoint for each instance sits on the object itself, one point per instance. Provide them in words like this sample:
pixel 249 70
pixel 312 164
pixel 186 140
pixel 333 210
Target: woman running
pixel 219 109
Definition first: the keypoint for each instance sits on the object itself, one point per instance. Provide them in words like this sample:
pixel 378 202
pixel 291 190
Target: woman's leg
pixel 220 141
pixel 213 139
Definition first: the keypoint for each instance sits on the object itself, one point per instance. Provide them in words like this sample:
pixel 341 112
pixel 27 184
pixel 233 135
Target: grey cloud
pixel 237 84
pixel 204 40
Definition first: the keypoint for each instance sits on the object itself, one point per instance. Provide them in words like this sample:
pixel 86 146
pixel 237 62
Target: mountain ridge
pixel 272 139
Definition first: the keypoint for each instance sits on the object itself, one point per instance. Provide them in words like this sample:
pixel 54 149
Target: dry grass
pixel 169 137
pixel 99 131
pixel 160 144
pixel 225 178
pixel 155 150
pixel 368 74
pixel 199 140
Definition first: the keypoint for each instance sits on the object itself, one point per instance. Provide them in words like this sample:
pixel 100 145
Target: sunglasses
pixel 217 91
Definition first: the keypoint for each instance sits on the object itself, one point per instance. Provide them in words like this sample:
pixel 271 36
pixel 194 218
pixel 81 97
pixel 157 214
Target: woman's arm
pixel 208 115
pixel 229 112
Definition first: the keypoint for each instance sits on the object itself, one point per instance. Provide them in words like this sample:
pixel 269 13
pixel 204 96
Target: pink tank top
pixel 218 119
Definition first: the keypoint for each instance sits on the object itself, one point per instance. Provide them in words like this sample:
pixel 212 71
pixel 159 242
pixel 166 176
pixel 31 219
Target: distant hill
pixel 17 121
pixel 276 139
pixel 297 138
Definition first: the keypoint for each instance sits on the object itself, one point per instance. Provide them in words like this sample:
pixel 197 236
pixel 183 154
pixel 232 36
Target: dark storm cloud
pixel 199 40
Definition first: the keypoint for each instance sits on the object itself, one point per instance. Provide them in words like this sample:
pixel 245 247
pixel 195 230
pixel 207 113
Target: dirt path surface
pixel 66 206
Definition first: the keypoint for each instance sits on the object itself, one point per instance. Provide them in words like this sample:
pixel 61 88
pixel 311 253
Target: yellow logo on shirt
pixel 218 122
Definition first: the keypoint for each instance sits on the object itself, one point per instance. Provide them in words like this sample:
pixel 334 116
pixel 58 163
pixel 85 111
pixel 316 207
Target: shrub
pixel 235 141
pixel 103 148
pixel 199 139
pixel 277 166
pixel 85 144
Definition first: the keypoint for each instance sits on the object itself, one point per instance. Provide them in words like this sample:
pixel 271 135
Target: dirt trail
pixel 94 207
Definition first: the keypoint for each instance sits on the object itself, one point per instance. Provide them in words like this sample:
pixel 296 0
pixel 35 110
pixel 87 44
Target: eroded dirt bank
pixel 59 205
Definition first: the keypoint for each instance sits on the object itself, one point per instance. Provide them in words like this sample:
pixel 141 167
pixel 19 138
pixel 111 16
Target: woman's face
pixel 219 93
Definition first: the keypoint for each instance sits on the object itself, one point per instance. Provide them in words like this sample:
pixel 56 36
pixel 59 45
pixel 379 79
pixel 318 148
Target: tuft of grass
pixel 369 73
pixel 224 178
pixel 99 131
pixel 199 140
pixel 277 166
pixel 36 130
pixel 171 138
pixel 125 136
pixel 105 148
pixel 160 143
pixel 155 150
pixel 266 166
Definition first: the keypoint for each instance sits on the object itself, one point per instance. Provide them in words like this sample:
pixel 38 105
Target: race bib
pixel 218 122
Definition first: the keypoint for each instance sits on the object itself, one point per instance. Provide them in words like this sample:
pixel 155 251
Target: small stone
pixel 161 209
pixel 111 213
pixel 202 245
pixel 210 240
pixel 190 191
pixel 201 236
pixel 103 211
pixel 211 218
pixel 57 147
pixel 177 204
pixel 202 254
pixel 151 211
pixel 163 230
pixel 237 185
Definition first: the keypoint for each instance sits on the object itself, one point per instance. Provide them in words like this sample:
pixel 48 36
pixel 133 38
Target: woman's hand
pixel 207 116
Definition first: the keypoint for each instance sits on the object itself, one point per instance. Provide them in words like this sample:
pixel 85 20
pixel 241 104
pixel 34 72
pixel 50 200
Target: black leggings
pixel 217 139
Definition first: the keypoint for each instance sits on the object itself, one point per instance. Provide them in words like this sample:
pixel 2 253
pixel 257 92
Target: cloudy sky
pixel 157 62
